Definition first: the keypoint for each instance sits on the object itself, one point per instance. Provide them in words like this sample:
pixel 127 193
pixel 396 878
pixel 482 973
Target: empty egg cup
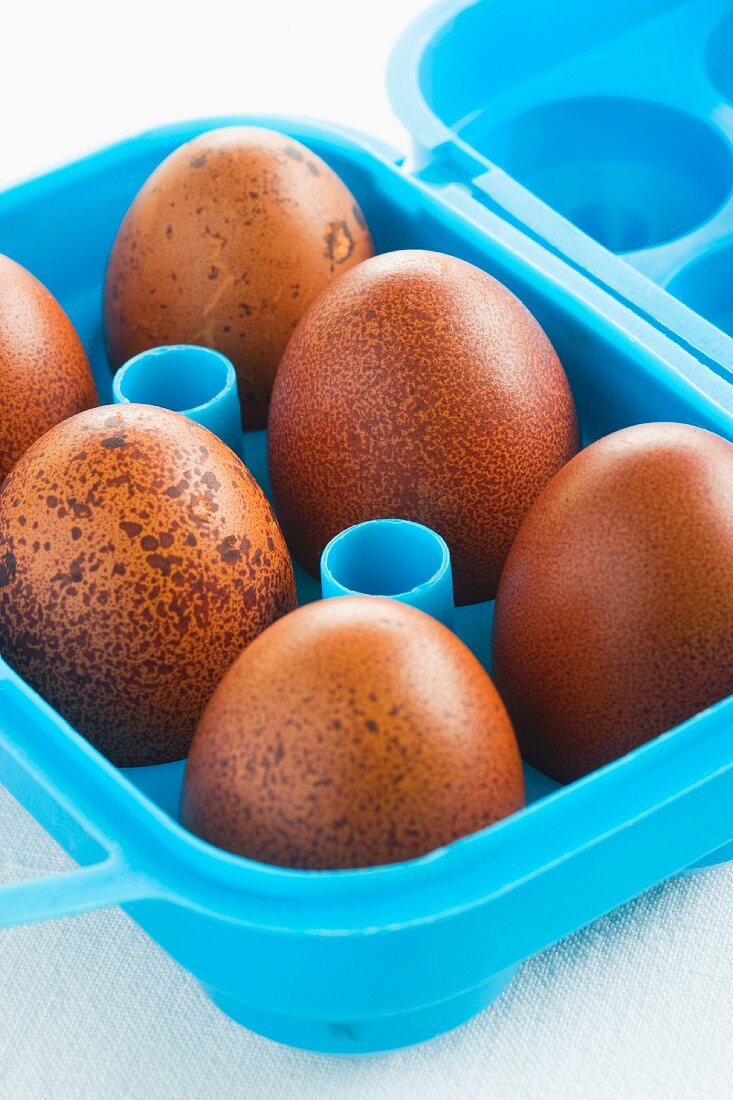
pixel 398 558
pixel 703 284
pixel 197 382
pixel 631 173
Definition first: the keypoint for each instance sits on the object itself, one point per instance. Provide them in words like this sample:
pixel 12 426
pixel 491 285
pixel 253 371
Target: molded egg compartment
pixel 605 131
pixel 369 959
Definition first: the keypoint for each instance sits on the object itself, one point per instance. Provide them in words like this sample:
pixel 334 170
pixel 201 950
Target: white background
pixel 76 76
pixel 639 1005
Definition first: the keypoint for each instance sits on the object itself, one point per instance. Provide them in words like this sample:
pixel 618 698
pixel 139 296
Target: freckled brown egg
pixel 614 616
pixel 138 557
pixel 418 387
pixel 226 245
pixel 44 372
pixel 356 731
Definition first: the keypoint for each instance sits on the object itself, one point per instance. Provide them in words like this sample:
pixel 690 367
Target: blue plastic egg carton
pixel 369 959
pixel 604 130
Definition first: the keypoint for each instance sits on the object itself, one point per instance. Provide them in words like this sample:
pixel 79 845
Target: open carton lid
pixel 555 119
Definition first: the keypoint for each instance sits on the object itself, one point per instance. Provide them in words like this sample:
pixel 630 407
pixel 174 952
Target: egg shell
pixel 226 245
pixel 420 388
pixel 44 372
pixel 138 556
pixel 614 617
pixel 356 731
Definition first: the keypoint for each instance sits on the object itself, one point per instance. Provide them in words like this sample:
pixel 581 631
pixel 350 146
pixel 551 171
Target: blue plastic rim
pixel 391 557
pixel 353 961
pixel 198 382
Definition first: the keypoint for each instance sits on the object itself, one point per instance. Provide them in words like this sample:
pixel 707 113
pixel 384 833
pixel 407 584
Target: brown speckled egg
pixel 356 731
pixel 614 617
pixel 418 387
pixel 44 372
pixel 138 556
pixel 226 245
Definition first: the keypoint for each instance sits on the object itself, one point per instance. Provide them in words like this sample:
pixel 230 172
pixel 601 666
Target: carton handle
pixel 62 895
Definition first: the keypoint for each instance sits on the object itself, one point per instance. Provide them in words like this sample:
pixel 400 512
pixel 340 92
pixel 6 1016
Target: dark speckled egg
pixel 138 557
pixel 614 617
pixel 44 372
pixel 226 245
pixel 356 731
pixel 418 387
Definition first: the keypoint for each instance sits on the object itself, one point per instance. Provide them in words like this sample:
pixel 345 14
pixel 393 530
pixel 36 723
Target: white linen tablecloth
pixel 638 1005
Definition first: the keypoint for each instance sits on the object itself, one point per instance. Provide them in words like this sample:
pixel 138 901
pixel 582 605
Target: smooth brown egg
pixel 420 388
pixel 356 731
pixel 138 557
pixel 614 617
pixel 226 245
pixel 44 372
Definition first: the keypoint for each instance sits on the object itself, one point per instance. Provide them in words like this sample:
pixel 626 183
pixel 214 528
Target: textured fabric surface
pixel 638 1005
